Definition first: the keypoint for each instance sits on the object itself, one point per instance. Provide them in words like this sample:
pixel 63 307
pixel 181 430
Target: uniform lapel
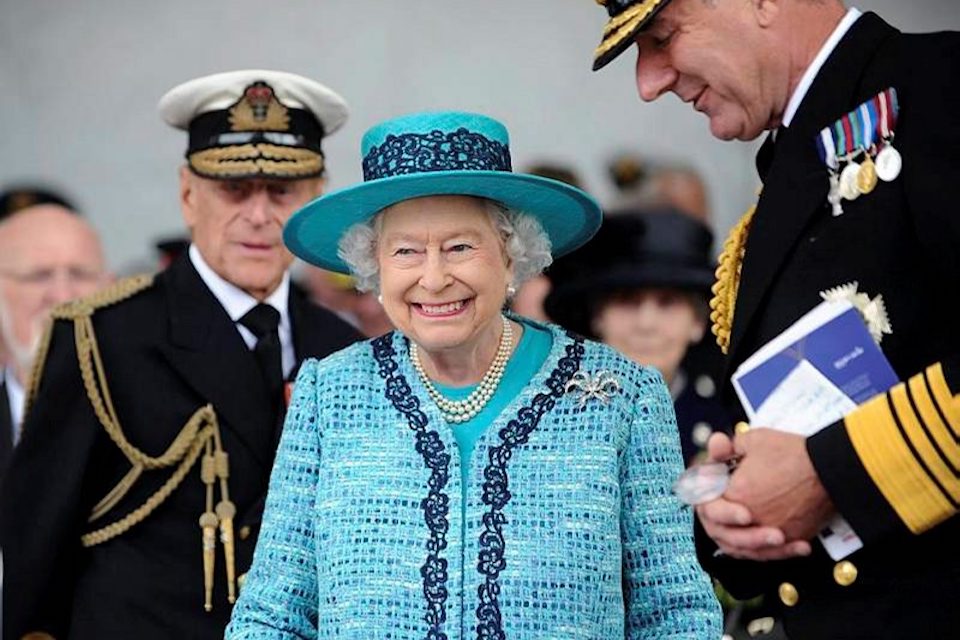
pixel 306 343
pixel 797 182
pixel 206 349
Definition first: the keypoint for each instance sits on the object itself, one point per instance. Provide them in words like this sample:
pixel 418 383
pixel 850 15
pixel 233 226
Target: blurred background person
pixel 529 297
pixel 23 195
pixel 338 293
pixel 641 286
pixel 170 248
pixel 48 255
pixel 654 186
pixel 646 184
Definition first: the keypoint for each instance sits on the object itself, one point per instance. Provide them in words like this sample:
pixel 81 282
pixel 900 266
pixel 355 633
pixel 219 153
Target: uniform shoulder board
pixel 77 311
pixel 108 296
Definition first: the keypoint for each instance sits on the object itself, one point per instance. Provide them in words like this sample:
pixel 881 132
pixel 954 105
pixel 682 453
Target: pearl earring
pixel 511 291
pixel 380 299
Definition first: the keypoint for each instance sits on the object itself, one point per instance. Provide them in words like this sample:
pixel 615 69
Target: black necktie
pixel 263 321
pixel 766 152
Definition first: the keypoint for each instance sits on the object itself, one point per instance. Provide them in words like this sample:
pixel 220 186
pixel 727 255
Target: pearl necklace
pixel 458 411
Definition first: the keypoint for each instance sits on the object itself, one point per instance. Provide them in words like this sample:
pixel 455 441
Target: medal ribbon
pixel 859 130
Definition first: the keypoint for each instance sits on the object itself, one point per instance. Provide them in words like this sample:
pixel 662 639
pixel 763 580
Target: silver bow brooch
pixel 601 386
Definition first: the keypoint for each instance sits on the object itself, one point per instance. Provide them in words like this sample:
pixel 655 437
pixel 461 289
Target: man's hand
pixel 733 525
pixel 777 482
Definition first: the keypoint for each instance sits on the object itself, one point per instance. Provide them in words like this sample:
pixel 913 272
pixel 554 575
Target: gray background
pixel 80 79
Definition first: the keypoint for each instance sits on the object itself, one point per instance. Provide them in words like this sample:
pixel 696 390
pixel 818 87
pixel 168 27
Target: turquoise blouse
pixel 569 528
pixel 524 363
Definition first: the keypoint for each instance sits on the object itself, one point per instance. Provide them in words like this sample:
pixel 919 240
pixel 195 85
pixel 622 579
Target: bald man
pixel 48 255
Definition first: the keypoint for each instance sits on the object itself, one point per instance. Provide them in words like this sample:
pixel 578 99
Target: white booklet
pixel 810 376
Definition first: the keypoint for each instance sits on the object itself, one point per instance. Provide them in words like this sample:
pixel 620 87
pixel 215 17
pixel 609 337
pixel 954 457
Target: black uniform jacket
pixel 167 351
pixel 901 241
pixel 6 427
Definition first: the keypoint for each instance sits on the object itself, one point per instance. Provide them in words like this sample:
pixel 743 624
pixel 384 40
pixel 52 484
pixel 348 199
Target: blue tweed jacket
pixel 571 529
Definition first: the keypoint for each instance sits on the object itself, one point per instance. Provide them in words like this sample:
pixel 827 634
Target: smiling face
pixel 443 273
pixel 722 58
pixel 237 225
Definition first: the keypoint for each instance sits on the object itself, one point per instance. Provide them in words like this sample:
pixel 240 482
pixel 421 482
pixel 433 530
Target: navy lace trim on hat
pixel 436 506
pixel 496 490
pixel 460 150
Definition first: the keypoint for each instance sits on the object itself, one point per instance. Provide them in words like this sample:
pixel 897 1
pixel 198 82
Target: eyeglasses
pixel 46 277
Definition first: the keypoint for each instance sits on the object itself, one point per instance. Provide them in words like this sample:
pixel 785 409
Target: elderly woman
pixel 470 475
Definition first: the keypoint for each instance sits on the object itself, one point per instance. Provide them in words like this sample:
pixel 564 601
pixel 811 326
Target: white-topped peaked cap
pixel 254 123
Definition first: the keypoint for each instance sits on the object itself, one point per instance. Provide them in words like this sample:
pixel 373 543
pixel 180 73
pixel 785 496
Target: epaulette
pixel 82 308
pixel 106 297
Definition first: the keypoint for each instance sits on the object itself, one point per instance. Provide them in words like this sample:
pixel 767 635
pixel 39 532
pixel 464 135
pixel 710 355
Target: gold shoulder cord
pixel 201 433
pixel 725 289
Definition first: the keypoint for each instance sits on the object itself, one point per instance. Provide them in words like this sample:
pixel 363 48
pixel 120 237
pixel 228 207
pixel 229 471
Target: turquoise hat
pixel 432 154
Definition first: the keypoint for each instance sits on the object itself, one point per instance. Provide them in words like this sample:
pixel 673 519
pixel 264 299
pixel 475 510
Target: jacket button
pixel 845 573
pixel 788 594
pixel 244 532
pixel 741 427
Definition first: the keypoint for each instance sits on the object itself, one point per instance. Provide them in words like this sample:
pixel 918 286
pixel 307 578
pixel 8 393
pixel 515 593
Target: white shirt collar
pixel 15 396
pixel 237 302
pixel 806 80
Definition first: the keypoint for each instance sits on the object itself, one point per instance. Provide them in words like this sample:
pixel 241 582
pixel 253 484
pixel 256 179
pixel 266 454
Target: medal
pixel 833 196
pixel 867 176
pixel 864 130
pixel 889 163
pixel 848 181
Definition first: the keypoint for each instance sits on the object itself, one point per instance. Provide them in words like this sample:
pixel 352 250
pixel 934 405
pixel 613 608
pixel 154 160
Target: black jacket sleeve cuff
pixel 849 485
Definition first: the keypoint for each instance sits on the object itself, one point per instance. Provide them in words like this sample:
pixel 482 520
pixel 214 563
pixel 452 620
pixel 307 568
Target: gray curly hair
pixel 525 243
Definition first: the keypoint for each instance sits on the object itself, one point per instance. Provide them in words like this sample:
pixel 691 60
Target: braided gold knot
pixel 725 289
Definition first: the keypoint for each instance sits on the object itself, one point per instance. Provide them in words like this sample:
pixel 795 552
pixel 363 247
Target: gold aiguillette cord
pixel 215 467
pixel 208 523
pixel 226 511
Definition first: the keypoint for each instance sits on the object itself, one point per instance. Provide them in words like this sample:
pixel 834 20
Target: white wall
pixel 79 82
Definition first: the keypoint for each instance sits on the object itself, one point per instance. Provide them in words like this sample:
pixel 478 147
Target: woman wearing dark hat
pixel 471 474
pixel 641 286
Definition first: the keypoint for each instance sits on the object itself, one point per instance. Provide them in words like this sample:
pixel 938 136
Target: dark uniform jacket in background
pixel 901 241
pixel 167 351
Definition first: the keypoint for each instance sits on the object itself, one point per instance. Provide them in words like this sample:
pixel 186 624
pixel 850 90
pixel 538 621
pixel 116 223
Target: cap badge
pixel 259 110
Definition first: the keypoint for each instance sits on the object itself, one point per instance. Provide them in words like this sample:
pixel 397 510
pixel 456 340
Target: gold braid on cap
pixel 261 158
pixel 619 26
pixel 200 435
pixel 725 289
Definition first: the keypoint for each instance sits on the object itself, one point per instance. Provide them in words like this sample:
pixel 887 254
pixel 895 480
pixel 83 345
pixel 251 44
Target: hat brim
pixel 569 216
pixel 621 29
pixel 570 304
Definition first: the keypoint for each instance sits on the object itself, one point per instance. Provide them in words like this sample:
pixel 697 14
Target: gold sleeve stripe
pixel 945 400
pixel 885 455
pixel 933 421
pixel 928 452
